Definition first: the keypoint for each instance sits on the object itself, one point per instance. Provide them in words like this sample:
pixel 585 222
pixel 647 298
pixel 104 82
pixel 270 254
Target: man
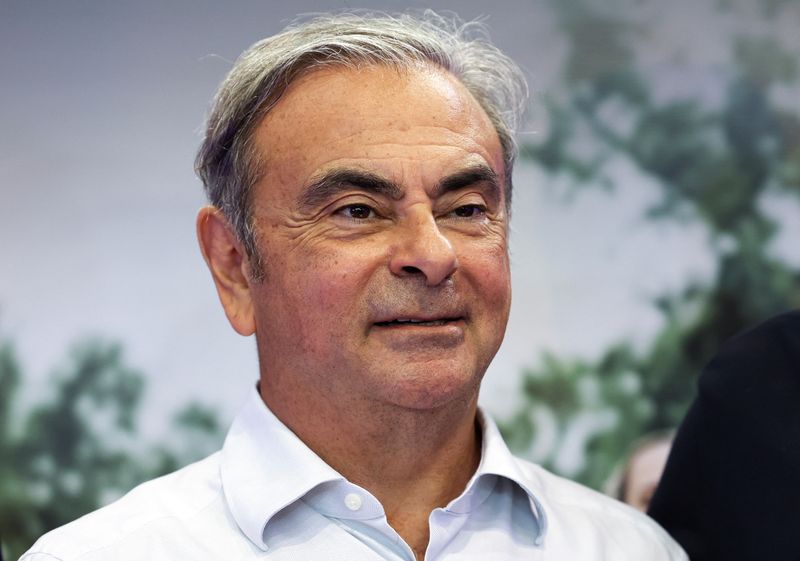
pixel 359 171
pixel 731 488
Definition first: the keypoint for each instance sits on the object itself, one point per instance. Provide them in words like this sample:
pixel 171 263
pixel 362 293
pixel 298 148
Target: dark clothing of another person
pixel 731 488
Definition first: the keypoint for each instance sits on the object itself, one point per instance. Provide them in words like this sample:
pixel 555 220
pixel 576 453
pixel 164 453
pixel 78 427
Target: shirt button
pixel 353 501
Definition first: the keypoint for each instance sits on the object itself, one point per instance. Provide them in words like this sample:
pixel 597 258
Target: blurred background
pixel 656 213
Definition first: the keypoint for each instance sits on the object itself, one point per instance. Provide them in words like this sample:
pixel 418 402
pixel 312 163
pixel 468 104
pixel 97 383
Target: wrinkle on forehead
pixel 373 113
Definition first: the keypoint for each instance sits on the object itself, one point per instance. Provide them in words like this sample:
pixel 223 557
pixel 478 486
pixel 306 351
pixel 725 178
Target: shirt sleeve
pixel 39 557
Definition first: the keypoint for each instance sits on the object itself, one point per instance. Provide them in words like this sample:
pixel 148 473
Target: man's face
pixel 381 223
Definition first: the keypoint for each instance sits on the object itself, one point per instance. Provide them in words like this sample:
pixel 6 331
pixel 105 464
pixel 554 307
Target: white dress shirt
pixel 267 496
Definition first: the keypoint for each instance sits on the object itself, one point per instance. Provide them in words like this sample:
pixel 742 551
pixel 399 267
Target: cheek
pixel 491 270
pixel 325 285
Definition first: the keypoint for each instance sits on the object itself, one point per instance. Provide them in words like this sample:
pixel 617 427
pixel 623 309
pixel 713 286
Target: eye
pixel 470 211
pixel 357 212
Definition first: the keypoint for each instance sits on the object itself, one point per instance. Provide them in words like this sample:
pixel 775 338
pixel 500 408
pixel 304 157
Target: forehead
pixel 419 121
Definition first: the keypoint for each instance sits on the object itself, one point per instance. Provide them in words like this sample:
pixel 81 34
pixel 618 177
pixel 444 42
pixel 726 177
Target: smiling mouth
pixel 402 322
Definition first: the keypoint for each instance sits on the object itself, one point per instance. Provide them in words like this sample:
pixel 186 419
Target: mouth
pixel 418 322
pixel 420 333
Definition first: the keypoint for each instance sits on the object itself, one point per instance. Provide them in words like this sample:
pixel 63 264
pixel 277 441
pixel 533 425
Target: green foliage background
pixel 79 449
pixel 716 162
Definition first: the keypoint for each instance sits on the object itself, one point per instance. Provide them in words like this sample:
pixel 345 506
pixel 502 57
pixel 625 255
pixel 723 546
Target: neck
pixel 412 461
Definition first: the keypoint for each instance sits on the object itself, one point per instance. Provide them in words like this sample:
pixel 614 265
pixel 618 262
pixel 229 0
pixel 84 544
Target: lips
pixel 421 322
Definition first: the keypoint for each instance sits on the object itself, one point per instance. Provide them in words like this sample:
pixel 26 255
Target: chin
pixel 434 388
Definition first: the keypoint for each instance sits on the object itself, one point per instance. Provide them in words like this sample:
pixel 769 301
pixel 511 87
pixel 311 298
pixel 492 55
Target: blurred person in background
pixel 731 487
pixel 636 481
pixel 359 173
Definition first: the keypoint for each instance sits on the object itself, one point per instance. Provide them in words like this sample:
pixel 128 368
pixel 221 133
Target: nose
pixel 422 250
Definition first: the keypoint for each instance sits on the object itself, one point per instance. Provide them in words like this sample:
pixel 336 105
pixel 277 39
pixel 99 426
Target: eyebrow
pixel 337 181
pixel 472 175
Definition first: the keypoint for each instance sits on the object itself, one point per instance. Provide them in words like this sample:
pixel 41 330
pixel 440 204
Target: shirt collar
pixel 497 460
pixel 265 467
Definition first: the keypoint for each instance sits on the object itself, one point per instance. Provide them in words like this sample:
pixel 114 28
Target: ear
pixel 227 261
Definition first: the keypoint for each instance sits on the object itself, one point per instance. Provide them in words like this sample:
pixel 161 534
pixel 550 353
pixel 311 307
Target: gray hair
pixel 227 162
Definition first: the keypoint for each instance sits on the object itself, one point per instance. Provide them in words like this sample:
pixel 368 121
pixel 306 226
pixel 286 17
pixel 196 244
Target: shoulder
pixel 769 351
pixel 149 509
pixel 610 526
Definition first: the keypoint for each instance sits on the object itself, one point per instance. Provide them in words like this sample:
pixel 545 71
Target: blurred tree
pixel 718 163
pixel 78 450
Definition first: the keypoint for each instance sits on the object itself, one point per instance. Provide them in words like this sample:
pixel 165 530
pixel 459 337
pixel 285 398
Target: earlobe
pixel 227 261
